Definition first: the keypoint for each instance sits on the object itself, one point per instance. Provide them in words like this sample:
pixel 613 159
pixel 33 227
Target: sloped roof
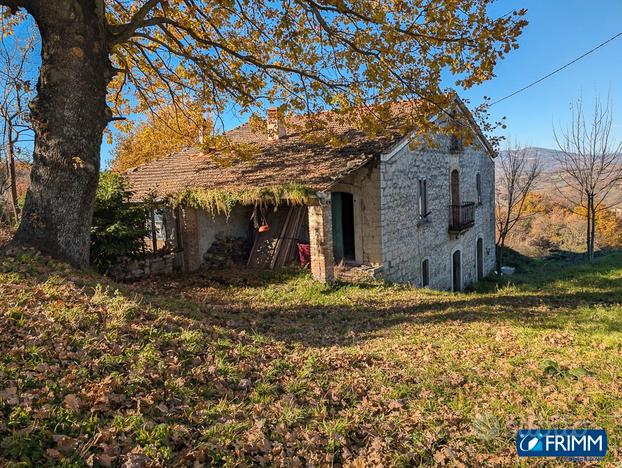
pixel 296 158
pixel 293 159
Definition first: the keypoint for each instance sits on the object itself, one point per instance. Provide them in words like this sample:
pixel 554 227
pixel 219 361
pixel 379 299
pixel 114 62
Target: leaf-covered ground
pixel 240 369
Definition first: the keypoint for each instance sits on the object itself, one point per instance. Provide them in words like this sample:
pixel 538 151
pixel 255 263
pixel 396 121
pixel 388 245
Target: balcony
pixel 461 217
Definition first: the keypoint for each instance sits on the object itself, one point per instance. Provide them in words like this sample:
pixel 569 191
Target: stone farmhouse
pixel 409 213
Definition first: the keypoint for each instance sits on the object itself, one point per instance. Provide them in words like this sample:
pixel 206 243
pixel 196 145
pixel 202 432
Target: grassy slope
pixel 280 370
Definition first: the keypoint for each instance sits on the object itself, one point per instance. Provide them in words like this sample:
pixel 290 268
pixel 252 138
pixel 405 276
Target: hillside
pixel 550 178
pixel 278 370
pixel 547 157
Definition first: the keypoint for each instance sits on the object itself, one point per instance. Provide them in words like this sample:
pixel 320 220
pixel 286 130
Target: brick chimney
pixel 276 129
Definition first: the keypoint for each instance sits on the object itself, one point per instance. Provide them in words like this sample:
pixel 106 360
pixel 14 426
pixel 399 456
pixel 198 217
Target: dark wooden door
pixel 343 226
pixel 347 223
pixel 337 212
pixel 457 271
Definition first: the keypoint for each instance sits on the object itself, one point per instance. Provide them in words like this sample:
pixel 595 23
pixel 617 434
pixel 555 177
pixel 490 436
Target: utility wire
pixel 557 70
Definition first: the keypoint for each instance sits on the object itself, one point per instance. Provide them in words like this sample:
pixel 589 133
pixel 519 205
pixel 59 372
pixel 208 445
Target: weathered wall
pixel 200 230
pixel 321 240
pixel 127 270
pixel 364 185
pixel 408 240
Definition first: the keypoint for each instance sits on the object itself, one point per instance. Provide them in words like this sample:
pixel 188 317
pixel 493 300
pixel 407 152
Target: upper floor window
pixel 425 273
pixel 456 145
pixel 423 198
pixel 478 183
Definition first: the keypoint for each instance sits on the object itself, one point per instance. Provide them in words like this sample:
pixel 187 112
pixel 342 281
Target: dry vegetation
pixel 549 225
pixel 279 370
pixel 5 234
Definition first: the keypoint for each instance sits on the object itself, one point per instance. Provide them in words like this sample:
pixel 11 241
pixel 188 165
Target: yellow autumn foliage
pixel 609 229
pixel 164 132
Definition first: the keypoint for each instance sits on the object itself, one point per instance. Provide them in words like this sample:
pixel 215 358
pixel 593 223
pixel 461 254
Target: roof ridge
pixel 313 163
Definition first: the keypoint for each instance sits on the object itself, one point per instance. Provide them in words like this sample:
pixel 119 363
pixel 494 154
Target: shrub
pixel 119 227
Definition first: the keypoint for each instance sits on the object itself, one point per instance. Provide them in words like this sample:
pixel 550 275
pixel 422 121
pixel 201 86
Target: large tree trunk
pixel 69 116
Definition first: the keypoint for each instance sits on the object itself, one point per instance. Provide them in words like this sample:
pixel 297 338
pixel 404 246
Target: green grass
pixel 275 369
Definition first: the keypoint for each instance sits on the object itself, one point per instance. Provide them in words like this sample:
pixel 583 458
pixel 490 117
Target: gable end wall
pixel 407 240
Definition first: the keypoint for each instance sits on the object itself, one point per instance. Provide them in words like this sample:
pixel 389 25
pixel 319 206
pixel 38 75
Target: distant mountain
pixel 546 156
pixel 551 174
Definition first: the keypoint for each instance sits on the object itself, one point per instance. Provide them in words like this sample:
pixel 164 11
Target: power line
pixel 557 70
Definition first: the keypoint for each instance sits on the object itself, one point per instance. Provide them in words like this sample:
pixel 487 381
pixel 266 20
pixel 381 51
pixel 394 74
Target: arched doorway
pixel 479 255
pixel 456 271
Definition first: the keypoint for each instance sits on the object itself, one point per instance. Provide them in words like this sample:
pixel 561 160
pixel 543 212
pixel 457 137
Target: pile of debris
pixel 226 252
pixel 356 273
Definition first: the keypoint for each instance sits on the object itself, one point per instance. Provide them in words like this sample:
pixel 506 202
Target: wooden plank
pixel 292 231
pixel 279 242
pixel 265 242
pixel 274 252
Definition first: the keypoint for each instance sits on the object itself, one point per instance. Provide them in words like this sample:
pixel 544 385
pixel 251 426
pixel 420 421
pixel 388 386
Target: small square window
pixel 456 144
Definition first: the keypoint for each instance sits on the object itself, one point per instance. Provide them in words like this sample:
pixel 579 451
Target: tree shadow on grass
pixel 345 325
pixel 344 314
pixel 529 301
pixel 325 318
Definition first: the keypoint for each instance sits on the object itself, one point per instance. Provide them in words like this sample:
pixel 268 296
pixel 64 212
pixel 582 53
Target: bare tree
pixel 590 161
pixel 517 174
pixel 15 94
pixel 5 215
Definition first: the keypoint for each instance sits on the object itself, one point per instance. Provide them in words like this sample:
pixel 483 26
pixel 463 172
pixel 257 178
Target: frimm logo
pixel 574 443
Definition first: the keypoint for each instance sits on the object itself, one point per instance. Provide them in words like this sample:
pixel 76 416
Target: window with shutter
pixel 423 198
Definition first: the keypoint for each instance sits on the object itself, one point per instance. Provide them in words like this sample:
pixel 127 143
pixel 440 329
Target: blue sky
pixel 558 32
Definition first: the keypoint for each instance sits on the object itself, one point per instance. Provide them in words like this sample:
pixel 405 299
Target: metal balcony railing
pixel 461 217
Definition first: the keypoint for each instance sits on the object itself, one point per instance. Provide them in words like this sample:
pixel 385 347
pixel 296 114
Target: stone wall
pixel 321 240
pixel 128 270
pixel 364 185
pixel 407 240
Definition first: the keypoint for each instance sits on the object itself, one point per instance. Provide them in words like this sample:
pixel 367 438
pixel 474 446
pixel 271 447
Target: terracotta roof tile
pixel 294 158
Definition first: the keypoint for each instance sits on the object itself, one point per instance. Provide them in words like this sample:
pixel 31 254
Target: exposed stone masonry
pixel 407 240
pixel 321 240
pixel 128 270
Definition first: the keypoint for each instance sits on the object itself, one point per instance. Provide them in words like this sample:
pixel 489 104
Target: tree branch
pixel 12 5
pixel 122 33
